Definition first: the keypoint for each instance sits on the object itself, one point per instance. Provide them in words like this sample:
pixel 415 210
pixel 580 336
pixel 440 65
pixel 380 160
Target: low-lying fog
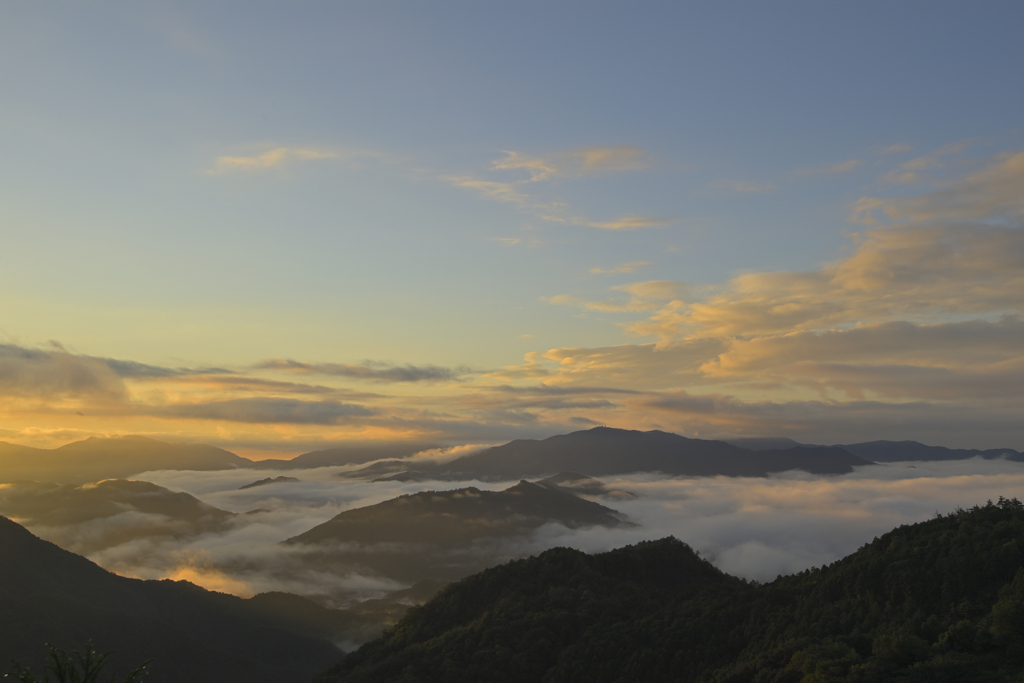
pixel 756 528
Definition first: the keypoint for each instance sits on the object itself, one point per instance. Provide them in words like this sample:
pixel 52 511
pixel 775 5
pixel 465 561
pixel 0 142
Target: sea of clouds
pixel 756 528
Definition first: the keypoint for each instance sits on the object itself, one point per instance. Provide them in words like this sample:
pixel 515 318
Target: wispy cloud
pixel 630 223
pixel 833 169
pixel 530 194
pixel 630 267
pixel 995 192
pixel 575 163
pixel 642 296
pixel 375 371
pixel 913 172
pixel 741 187
pixel 267 410
pixel 272 158
pixel 493 190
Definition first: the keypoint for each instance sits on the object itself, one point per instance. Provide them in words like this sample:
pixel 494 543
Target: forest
pixel 941 600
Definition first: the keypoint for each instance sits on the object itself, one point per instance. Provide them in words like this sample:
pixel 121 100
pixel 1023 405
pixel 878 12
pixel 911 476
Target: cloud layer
pixel 752 527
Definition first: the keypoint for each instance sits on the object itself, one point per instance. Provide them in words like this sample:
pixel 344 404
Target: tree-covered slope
pixel 116 511
pixel 459 517
pixel 446 535
pixel 941 600
pixel 49 595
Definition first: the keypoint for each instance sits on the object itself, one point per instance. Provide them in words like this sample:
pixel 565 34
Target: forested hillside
pixel 941 600
pixel 51 596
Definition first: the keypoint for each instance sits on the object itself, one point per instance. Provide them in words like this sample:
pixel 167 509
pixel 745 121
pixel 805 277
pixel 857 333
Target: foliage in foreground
pixel 78 667
pixel 942 600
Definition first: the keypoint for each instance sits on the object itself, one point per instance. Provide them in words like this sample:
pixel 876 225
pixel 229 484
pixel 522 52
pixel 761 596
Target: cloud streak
pixel 273 158
pixel 526 193
pixel 575 163
pixel 630 267
pixel 374 371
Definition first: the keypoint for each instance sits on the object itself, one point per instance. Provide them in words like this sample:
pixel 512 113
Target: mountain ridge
pixel 50 595
pixel 940 600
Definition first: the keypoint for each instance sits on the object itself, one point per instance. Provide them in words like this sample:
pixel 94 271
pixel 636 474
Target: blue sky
pixel 476 186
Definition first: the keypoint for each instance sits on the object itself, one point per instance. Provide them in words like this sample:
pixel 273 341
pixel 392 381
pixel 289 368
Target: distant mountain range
pixel 109 458
pixel 604 451
pixel 268 481
pixel 345 455
pixel 600 451
pixel 888 451
pixel 896 451
pixel 122 457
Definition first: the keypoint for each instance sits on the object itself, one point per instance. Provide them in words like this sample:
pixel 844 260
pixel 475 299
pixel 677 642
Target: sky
pixel 277 227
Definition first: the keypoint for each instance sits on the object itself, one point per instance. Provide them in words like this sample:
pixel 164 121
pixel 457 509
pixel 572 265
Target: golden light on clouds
pixel 270 159
pixel 918 327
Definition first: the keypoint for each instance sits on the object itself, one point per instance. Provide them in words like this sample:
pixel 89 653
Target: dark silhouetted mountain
pixel 604 451
pixel 349 627
pixel 765 443
pixel 897 451
pixel 268 480
pixel 49 595
pixel 110 458
pixel 347 455
pixel 941 600
pixel 403 476
pixel 132 509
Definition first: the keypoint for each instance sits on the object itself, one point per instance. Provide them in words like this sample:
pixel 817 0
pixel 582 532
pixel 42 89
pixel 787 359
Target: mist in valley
pixel 755 528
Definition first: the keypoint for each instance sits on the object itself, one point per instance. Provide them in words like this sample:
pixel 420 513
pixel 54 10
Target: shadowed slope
pixel 941 600
pixel 897 451
pixel 49 595
pixel 455 518
pixel 604 451
pixel 445 535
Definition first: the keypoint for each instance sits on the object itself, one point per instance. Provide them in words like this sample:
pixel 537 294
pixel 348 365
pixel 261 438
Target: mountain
pixel 941 600
pixel 116 511
pixel 49 595
pixel 896 451
pixel 347 455
pixel 446 535
pixel 268 480
pixel 118 457
pixel 767 443
pixel 349 627
pixel 604 451
pixel 582 485
pixel 458 517
pixel 885 451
